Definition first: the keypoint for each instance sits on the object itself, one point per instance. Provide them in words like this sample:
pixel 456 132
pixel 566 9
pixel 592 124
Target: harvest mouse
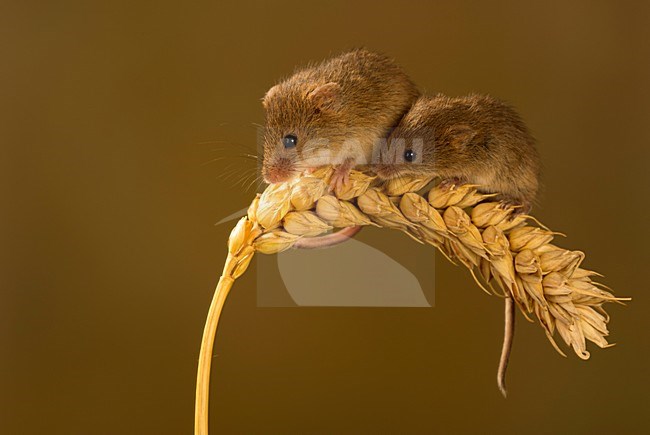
pixel 474 139
pixel 333 113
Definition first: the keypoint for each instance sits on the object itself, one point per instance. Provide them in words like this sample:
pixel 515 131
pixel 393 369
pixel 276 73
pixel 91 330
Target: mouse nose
pixel 279 171
pixel 384 171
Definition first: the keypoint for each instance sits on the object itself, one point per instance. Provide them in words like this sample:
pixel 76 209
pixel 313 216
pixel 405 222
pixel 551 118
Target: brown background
pixel 110 253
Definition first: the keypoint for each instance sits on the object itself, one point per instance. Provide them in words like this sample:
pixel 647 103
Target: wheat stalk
pixel 508 254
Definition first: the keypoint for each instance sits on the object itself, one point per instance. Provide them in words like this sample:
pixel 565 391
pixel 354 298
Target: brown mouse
pixel 333 113
pixel 474 139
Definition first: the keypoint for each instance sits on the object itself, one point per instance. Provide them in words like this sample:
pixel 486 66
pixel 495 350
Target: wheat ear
pixel 507 253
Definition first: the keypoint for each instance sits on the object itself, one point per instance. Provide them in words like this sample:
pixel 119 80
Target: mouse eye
pixel 289 141
pixel 409 155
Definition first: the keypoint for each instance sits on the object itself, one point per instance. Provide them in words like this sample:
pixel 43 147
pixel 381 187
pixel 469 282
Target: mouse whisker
pixel 233 170
pixel 239 179
pixel 227 175
pixel 208 142
pixel 216 159
pixel 256 179
pixel 243 157
pixel 250 156
pixel 228 144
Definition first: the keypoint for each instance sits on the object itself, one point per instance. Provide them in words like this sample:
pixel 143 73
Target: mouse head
pixel 422 150
pixel 406 152
pixel 303 121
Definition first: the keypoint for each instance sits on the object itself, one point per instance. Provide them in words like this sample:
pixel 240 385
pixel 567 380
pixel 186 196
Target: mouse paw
pixel 448 183
pixel 339 178
pixel 341 175
pixel 517 205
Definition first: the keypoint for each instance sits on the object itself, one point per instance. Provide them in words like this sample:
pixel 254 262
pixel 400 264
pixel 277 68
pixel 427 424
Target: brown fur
pixel 339 107
pixel 476 139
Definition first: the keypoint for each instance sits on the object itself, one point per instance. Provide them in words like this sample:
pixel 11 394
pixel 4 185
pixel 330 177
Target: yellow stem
pixel 205 356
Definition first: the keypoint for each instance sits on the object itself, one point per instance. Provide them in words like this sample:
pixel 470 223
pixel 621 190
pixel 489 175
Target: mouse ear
pixel 461 135
pixel 326 97
pixel 269 94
